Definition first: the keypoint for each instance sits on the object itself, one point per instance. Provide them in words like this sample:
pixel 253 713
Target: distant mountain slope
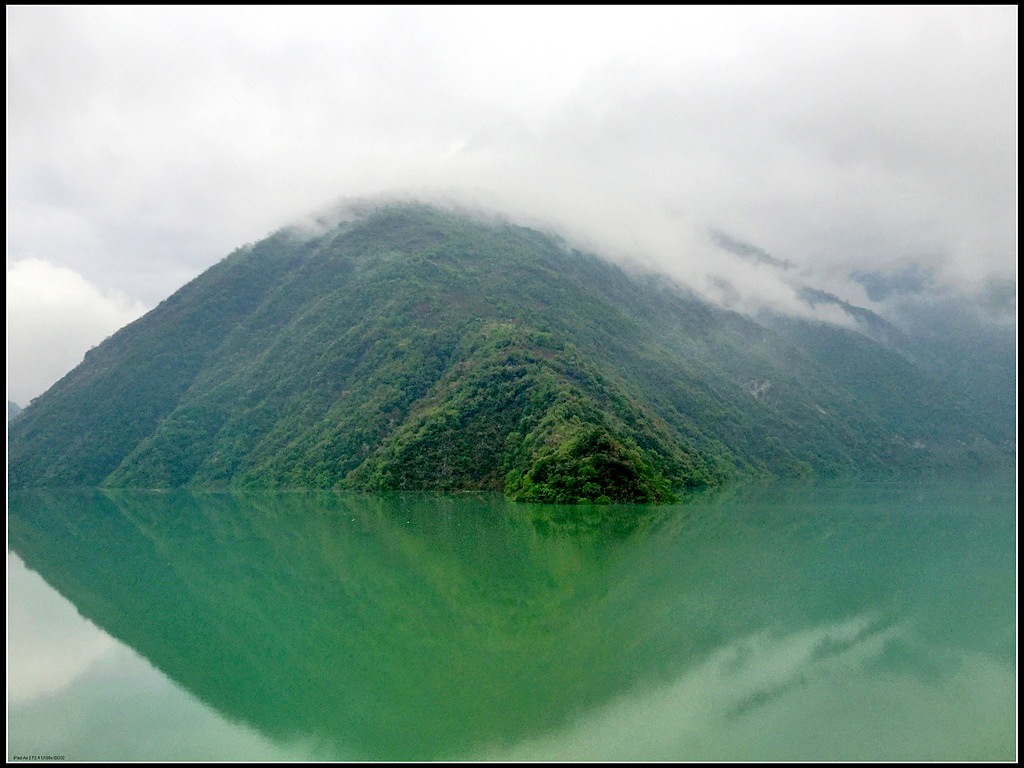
pixel 416 348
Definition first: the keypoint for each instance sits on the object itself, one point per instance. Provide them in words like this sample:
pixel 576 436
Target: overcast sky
pixel 145 144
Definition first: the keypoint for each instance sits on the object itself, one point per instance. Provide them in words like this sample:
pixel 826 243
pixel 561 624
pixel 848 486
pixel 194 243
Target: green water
pixel 844 622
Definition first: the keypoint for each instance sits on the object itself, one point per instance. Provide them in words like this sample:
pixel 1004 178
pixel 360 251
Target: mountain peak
pixel 407 347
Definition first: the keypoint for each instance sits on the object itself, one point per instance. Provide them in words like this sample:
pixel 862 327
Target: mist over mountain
pixel 965 338
pixel 408 347
pixel 747 251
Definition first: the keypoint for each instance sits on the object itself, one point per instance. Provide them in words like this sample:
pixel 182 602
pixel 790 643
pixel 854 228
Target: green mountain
pixel 420 349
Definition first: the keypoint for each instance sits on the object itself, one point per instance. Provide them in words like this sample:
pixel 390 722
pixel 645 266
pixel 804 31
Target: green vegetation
pixel 588 466
pixel 418 349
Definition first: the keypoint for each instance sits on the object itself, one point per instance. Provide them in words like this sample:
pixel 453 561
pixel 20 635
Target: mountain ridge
pixel 415 348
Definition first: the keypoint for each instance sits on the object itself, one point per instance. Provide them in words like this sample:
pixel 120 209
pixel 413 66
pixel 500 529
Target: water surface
pixel 839 622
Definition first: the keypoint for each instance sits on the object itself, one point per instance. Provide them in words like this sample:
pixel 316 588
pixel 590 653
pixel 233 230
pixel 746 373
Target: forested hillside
pixel 419 349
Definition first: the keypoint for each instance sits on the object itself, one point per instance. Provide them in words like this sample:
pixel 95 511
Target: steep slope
pixel 420 349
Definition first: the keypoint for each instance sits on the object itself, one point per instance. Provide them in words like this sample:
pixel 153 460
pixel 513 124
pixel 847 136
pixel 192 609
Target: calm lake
pixel 827 622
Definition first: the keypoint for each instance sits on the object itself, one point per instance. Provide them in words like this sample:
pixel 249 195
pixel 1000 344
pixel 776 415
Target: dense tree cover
pixel 419 349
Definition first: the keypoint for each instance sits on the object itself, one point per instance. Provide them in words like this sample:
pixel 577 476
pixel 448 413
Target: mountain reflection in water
pixel 424 627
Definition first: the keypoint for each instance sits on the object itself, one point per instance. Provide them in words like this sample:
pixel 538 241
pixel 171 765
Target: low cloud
pixel 146 144
pixel 54 316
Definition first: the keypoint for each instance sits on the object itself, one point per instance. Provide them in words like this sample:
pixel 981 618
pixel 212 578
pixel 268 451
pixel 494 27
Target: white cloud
pixel 145 144
pixel 54 316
